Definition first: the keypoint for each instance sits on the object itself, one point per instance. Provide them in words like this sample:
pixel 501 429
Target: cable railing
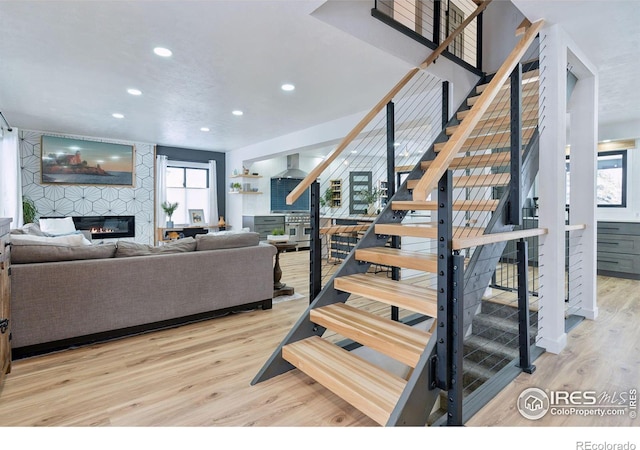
pixel 356 186
pixel 573 269
pixel 432 21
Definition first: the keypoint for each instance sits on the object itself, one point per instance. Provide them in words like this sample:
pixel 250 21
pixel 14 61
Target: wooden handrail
pixel 317 171
pixel 576 227
pixel 484 239
pixel 441 163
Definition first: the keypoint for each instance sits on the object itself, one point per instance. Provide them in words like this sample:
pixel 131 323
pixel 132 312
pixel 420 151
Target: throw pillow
pixel 57 226
pixel 126 248
pixel 232 240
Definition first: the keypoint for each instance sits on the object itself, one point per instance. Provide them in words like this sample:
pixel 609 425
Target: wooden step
pixel 491 179
pixel 395 293
pixel 528 90
pixel 470 181
pixel 530 113
pixel 531 76
pixel 497 159
pixel 364 385
pixel 427 230
pixel 503 107
pixel 394 339
pixel 394 257
pixel 498 124
pixel 460 205
pixel 489 141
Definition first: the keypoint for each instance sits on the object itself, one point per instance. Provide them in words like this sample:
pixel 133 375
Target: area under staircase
pixel 469 140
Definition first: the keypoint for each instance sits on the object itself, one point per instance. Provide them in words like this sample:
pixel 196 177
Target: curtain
pixel 11 178
pixel 213 194
pixel 161 189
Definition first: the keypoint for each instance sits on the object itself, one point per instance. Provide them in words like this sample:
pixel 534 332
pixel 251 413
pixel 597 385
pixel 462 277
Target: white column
pixel 584 141
pixel 551 186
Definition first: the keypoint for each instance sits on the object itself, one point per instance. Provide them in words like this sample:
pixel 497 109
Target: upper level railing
pixel 430 22
pixel 360 126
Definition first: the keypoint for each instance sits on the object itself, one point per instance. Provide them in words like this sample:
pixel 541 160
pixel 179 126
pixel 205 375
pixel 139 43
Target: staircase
pixel 384 396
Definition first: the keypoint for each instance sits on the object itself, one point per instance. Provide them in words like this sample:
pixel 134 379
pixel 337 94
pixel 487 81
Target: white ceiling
pixel 65 66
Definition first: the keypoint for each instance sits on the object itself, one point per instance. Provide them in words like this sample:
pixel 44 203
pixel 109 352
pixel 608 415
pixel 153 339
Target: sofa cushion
pixel 231 240
pixel 22 253
pixel 126 248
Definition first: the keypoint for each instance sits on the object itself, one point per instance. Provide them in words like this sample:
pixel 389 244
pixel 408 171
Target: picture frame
pixel 85 162
pixel 196 217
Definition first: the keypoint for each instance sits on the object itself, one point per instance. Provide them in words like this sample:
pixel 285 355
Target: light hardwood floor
pixel 199 374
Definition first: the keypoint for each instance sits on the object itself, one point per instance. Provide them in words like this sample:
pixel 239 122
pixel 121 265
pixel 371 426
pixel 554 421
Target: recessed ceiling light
pixel 237 112
pixel 287 87
pixel 134 91
pixel 118 115
pixel 354 151
pixel 396 144
pixel 161 51
pixel 204 129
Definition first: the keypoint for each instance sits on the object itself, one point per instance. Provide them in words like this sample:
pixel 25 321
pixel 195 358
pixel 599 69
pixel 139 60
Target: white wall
pixel 500 20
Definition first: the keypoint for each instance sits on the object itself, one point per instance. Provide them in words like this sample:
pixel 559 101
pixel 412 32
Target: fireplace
pixel 102 227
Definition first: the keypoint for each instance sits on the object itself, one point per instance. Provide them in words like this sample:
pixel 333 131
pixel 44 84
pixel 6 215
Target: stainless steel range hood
pixel 293 168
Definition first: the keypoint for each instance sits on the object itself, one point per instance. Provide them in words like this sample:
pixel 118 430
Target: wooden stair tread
pixel 468 181
pixel 531 76
pixel 396 293
pixel 503 107
pixel 489 141
pixel 498 124
pixel 528 89
pixel 427 230
pixel 498 159
pixel 394 339
pixel 426 262
pixel 364 385
pixel 460 205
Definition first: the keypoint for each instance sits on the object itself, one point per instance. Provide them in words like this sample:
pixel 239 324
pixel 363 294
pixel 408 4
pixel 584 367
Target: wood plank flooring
pixel 199 374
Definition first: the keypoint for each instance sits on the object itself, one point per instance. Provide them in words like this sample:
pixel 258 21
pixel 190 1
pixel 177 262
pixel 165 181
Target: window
pixel 187 184
pixel 455 19
pixel 358 182
pixel 612 179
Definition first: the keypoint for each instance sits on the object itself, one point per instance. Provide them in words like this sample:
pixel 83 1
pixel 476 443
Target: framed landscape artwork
pixel 196 216
pixel 76 161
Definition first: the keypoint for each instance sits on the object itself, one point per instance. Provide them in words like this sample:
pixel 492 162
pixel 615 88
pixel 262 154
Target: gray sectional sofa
pixel 130 288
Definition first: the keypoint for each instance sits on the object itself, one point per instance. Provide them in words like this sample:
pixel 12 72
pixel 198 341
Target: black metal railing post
pixel 514 216
pixel 445 104
pixel 479 41
pixel 437 7
pixel 456 338
pixel 391 188
pixel 315 247
pixel 523 307
pixel 445 273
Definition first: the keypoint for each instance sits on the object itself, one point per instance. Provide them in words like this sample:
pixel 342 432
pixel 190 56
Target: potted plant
pixel 370 198
pixel 327 198
pixel 169 208
pixel 29 210
pixel 277 235
pixel 236 187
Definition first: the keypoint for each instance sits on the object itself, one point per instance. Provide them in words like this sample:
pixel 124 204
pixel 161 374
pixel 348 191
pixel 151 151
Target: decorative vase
pixel 169 223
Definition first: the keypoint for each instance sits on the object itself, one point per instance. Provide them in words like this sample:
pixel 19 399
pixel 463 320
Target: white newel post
pixel 552 186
